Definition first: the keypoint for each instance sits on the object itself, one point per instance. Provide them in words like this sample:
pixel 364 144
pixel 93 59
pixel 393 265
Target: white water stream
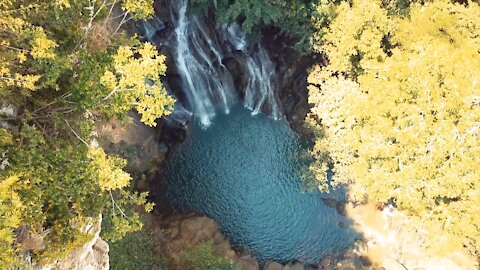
pixel 206 81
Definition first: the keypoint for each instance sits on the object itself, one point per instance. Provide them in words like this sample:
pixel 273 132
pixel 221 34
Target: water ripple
pixel 241 172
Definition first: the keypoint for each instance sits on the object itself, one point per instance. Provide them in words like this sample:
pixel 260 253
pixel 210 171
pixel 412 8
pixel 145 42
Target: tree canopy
pixel 293 17
pixel 397 110
pixel 65 67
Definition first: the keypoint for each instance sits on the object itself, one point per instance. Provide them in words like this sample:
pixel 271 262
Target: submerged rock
pixel 247 262
pixel 273 266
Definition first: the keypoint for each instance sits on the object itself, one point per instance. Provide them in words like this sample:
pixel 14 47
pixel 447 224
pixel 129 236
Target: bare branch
pixel 75 133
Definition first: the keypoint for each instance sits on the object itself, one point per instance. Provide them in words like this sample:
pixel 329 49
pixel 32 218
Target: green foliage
pixel 54 179
pixel 201 257
pixel 61 198
pixel 397 111
pixel 137 250
pixel 293 17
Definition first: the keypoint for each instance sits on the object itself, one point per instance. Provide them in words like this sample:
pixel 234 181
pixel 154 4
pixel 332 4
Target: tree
pixel 65 67
pixel 293 17
pixel 127 82
pixel 397 111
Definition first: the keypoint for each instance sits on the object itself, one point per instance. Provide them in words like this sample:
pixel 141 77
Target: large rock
pixel 247 262
pixel 198 229
pixel 137 143
pixel 9 112
pixel 188 230
pixel 92 256
pixel 297 266
pixel 273 266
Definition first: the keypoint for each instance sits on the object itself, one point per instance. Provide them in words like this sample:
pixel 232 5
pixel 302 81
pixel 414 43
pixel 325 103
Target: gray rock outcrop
pixel 92 256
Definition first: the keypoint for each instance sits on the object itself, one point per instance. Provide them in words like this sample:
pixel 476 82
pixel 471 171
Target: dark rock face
pixel 137 143
pixel 235 66
pixel 292 72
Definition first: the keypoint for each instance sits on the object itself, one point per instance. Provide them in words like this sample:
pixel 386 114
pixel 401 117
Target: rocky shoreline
pixel 191 229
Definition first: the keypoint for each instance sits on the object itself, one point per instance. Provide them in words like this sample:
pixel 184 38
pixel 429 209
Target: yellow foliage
pixel 355 31
pixel 62 3
pixel 135 81
pixel 13 50
pixel 42 47
pixel 403 122
pixel 6 138
pixel 110 174
pixel 22 57
pixel 10 213
pixel 54 253
pixel 25 81
pixel 140 9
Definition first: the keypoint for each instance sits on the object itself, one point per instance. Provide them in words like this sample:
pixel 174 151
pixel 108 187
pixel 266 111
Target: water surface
pixel 243 172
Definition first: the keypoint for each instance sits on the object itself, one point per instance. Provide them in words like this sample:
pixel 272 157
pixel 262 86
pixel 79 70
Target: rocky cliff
pixel 92 256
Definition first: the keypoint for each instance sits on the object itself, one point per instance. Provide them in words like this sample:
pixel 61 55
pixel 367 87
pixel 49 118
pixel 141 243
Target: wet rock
pixel 218 238
pixel 338 205
pixel 225 250
pixel 360 247
pixel 326 262
pixel 270 265
pixel 188 230
pixel 247 262
pixel 234 65
pixel 197 229
pixel 292 71
pixel 137 143
pixel 297 266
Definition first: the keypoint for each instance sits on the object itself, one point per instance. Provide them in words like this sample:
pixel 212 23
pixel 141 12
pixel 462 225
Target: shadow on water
pixel 243 172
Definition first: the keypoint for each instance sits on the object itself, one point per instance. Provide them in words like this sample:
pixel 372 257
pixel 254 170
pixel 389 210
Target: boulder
pixel 224 249
pixel 247 262
pixel 135 142
pixel 271 265
pixel 93 255
pixel 297 266
pixel 198 229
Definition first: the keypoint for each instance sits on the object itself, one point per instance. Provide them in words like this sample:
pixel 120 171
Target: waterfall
pixel 205 80
pixel 151 28
pixel 260 88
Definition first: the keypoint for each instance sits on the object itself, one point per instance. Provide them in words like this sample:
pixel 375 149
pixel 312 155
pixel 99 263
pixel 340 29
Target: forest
pixel 392 105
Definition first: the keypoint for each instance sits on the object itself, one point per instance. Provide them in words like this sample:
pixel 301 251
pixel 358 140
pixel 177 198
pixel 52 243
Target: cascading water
pixel 206 82
pixel 152 27
pixel 260 83
pixel 260 70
